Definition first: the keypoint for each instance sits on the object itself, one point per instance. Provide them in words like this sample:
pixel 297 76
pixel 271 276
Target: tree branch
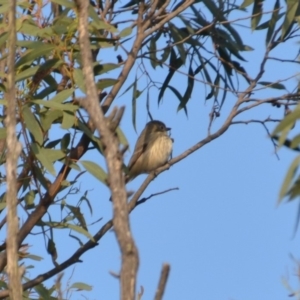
pixel 13 152
pixel 114 161
pixel 162 281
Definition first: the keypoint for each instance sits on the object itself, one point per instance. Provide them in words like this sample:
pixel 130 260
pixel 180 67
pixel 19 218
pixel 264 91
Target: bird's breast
pixel 160 152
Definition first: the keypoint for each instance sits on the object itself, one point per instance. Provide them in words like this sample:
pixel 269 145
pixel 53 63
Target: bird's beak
pixel 168 128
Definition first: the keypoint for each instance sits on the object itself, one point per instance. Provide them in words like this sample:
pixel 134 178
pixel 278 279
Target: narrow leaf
pixel 95 170
pixel 32 124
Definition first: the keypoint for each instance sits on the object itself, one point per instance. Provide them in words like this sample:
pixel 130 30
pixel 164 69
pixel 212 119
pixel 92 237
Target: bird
pixel 152 150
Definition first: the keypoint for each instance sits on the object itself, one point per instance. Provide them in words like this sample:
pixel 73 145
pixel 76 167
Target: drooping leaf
pixel 188 92
pixel 33 54
pixel 81 286
pixel 32 124
pixel 56 105
pixel 65 3
pixel 107 82
pixel 288 121
pixel 28 72
pixel 178 37
pixel 43 158
pixel 175 63
pixel 133 103
pixel 79 80
pixel 68 120
pixel 105 68
pixel 95 170
pixel 272 22
pixel 50 117
pixel 256 13
pixel 65 141
pixel 291 10
pixel 246 3
pixel 125 32
pixel 42 291
pixel 274 85
pixel 289 178
pixel 78 215
pixel 121 136
pixel 29 199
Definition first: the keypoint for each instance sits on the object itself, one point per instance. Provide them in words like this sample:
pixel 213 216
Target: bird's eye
pixel 162 127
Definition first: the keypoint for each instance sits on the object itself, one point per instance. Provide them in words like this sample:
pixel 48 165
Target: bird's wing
pixel 138 150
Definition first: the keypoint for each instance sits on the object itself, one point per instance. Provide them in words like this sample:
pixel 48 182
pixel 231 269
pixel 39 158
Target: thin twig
pixel 262 122
pixel 143 200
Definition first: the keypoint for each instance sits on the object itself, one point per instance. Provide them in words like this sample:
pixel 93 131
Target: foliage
pixel 200 39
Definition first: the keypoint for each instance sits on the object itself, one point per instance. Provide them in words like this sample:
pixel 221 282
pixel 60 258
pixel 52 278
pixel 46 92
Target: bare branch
pixel 114 161
pixel 13 152
pixel 162 281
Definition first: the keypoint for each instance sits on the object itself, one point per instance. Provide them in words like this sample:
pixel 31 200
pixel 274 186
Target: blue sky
pixel 222 232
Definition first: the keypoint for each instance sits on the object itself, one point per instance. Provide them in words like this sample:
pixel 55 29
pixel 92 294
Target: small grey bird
pixel 152 150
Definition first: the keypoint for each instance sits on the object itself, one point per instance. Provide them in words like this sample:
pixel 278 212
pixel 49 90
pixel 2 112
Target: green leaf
pixel 78 215
pixel 219 15
pixel 246 3
pixel 133 103
pixel 65 3
pixel 81 286
pixel 52 144
pixel 125 32
pixel 48 118
pixel 95 170
pixel 3 38
pixel 40 176
pixel 288 121
pixel 53 154
pixel 152 50
pixel 272 22
pixel 2 206
pixel 273 85
pixel 105 68
pixel 98 23
pixel 43 158
pixel 177 37
pixel 288 178
pixel 295 142
pixel 29 199
pixel 3 133
pixel 80 230
pixel 55 105
pixel 68 120
pixel 62 96
pixel 188 92
pixel 291 10
pixel 122 137
pixel 256 14
pixel 29 44
pixel 266 24
pixel 33 54
pixel 104 83
pixel 32 124
pixel 79 80
pixel 65 141
pixel 4 8
pixel 175 63
pixel 34 257
pixel 27 73
pixel 42 291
